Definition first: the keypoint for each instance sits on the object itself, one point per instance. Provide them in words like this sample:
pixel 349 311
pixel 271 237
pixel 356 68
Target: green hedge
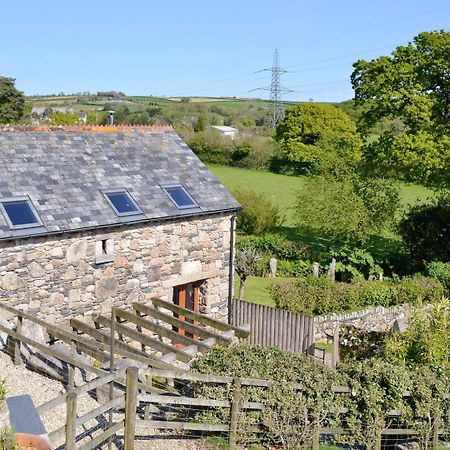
pixel 289 415
pixel 320 296
pixel 277 246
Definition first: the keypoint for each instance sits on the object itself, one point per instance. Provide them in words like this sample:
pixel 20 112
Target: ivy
pixel 291 415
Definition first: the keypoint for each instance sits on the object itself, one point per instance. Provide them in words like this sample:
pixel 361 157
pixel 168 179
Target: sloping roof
pixel 63 172
pixel 224 128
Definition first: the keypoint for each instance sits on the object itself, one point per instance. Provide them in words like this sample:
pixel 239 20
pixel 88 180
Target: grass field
pixel 282 189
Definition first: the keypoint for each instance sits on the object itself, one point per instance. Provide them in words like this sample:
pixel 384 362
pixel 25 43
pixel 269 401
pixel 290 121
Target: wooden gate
pixel 271 327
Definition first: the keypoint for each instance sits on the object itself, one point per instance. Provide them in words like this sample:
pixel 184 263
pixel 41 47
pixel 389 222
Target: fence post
pixel 335 353
pixel 71 420
pixel 112 349
pixel 130 407
pixel 235 407
pixel 16 343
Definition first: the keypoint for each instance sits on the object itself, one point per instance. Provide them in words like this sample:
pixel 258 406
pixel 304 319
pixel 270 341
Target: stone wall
pixel 83 273
pixel 371 319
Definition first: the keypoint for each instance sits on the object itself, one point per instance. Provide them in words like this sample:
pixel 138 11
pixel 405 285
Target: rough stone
pixel 36 270
pixel 138 267
pixel 11 282
pixel 190 267
pixel 154 274
pixel 76 251
pixel 120 262
pixel 106 287
pixel 150 256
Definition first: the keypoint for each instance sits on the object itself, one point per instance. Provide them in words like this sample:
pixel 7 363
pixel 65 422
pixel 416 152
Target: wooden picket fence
pixel 273 327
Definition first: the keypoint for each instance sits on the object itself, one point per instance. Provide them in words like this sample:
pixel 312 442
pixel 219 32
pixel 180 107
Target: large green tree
pixel 412 88
pixel 12 101
pixel 316 136
pixel 348 208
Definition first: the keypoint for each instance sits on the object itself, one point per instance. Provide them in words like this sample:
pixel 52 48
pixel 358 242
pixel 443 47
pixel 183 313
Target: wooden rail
pixel 181 324
pixel 241 332
pixel 68 431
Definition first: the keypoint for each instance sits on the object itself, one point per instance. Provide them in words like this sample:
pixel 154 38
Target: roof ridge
pixel 86 128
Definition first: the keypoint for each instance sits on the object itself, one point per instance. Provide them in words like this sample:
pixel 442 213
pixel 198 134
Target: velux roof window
pixel 122 203
pixel 180 197
pixel 20 213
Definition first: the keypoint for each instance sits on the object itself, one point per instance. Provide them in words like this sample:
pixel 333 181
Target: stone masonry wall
pixel 371 319
pixel 83 273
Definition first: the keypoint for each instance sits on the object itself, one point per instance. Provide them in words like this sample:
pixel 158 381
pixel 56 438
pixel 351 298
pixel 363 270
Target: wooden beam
pixel 205 320
pixel 47 350
pixel 160 330
pixel 143 339
pixel 121 348
pixel 189 327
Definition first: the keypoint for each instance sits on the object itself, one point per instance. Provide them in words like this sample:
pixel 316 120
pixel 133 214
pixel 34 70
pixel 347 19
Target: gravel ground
pixel 20 380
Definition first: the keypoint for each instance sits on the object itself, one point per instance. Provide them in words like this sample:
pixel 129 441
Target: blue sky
pixel 206 48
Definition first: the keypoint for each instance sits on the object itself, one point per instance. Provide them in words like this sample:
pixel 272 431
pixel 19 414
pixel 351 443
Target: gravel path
pixel 20 380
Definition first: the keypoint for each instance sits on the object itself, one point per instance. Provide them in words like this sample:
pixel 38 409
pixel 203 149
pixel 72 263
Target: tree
pixel 12 101
pixel 312 134
pixel 412 86
pixel 245 264
pixel 348 208
pixel 200 125
pixel 258 215
pixel 426 231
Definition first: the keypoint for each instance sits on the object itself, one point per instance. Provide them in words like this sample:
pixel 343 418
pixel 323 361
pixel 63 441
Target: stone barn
pixel 92 217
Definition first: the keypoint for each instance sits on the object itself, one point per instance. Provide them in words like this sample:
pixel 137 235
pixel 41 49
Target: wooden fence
pixel 237 408
pixel 271 327
pixel 128 402
pixel 146 404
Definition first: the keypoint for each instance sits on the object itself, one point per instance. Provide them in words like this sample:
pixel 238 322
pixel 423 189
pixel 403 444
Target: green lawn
pixel 256 289
pixel 281 189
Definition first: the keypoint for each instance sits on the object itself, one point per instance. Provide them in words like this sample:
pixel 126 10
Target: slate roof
pixel 63 172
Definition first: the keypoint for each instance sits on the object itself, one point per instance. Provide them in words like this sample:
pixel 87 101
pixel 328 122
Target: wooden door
pixel 186 296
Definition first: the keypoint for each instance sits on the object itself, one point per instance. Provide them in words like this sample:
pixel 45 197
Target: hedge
pixel 289 416
pixel 320 296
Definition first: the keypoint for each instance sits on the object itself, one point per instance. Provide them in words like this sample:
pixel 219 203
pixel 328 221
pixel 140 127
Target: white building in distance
pixel 226 131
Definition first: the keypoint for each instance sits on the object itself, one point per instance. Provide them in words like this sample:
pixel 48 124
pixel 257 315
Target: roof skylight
pixel 122 203
pixel 20 213
pixel 180 197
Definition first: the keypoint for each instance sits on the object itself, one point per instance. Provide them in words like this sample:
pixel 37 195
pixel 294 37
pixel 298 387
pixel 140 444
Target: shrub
pixel 279 247
pixel 7 439
pixel 357 344
pixel 440 271
pixel 289 414
pixel 354 264
pixel 426 340
pixel 419 290
pixel 320 296
pixel 258 215
pixel 287 268
pixel 426 231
